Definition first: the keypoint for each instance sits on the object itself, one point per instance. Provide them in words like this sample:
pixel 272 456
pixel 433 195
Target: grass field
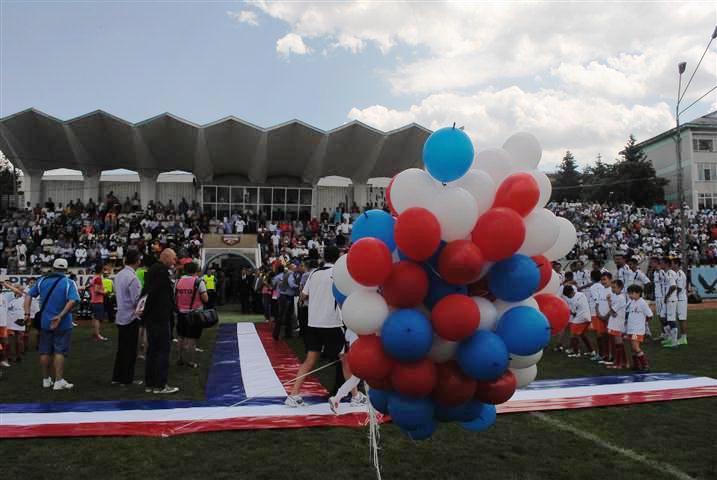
pixel 647 441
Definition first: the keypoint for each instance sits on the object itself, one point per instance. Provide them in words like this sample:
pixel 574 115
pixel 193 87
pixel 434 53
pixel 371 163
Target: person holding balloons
pixel 324 332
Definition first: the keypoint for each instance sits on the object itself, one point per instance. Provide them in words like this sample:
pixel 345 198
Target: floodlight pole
pixel 680 188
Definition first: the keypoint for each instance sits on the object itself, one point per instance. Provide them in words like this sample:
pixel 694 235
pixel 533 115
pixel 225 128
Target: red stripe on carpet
pixel 606 400
pixel 285 363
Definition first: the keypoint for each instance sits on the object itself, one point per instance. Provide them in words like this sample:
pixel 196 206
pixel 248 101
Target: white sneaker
pixel 5 364
pixel 294 401
pixel 359 400
pixel 47 382
pixel 166 390
pixel 334 405
pixel 62 384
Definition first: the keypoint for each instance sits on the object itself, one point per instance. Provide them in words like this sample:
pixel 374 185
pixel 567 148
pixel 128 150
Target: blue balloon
pixel 422 432
pixel 524 330
pixel 433 261
pixel 438 288
pixel 338 296
pixel 484 421
pixel 448 154
pixel 407 335
pixel 514 279
pixel 379 400
pixel 482 356
pixel 459 413
pixel 410 413
pixel 376 224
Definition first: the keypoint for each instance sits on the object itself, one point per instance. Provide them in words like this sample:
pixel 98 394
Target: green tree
pixel 598 182
pixel 635 179
pixel 567 180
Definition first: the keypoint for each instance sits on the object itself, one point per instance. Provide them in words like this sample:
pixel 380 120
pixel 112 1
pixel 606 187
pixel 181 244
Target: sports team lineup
pixel 452 287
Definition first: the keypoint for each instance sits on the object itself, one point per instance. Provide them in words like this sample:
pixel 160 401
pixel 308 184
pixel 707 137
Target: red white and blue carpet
pixel 245 390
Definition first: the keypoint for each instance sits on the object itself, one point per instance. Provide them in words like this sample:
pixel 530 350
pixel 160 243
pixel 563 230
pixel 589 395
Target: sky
pixel 579 76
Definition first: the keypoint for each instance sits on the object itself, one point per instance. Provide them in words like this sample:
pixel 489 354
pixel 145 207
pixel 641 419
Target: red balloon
pixel 499 233
pixel 496 391
pixel 415 379
pixel 545 268
pixel 555 309
pixel 369 261
pixel 519 192
pixel 454 387
pixel 388 198
pixel 406 286
pixel 367 359
pixel 417 233
pixel 460 262
pixel 455 317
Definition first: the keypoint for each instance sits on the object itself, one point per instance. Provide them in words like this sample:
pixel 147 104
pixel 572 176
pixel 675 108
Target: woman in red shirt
pixel 190 294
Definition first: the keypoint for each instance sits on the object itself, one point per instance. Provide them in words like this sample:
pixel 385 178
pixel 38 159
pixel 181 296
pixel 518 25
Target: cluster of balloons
pixel 452 294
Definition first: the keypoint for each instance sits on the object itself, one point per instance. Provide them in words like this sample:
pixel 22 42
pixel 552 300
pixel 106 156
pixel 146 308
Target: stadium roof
pixel 706 122
pixel 230 148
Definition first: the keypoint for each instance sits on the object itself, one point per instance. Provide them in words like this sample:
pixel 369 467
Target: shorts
pixel 98 311
pixel 615 333
pixel 598 325
pixel 636 338
pixel 671 311
pixel 578 328
pixel 186 329
pixel 660 307
pixel 681 309
pixel 55 342
pixel 329 340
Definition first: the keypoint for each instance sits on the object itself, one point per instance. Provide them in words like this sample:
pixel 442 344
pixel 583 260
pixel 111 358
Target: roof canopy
pixel 230 148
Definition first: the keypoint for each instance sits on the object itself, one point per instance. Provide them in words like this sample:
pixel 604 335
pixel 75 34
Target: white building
pixel 699 161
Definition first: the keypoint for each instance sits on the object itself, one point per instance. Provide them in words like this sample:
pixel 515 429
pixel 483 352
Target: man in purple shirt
pixel 127 291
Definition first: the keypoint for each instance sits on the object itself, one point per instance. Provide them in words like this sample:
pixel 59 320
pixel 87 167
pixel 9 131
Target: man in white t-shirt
pixel 325 328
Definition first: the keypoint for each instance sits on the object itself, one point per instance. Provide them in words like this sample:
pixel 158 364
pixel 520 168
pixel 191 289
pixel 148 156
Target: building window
pixel 703 145
pixel 707 172
pixel 706 201
pixel 271 203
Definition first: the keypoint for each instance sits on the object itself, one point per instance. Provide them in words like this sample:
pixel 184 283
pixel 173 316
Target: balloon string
pixel 374 437
pixel 288 382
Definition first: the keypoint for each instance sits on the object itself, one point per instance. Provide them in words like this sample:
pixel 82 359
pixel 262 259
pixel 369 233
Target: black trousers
pixel 126 357
pixel 286 310
pixel 159 342
pixel 212 294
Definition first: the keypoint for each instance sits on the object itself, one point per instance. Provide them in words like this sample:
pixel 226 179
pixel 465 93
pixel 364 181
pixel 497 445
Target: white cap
pixel 60 264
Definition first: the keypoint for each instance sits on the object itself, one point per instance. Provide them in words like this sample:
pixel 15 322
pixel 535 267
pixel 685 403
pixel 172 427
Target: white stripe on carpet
pixel 257 373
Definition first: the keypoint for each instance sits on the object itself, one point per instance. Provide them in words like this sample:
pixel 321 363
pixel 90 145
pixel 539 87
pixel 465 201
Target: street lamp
pixel 681 67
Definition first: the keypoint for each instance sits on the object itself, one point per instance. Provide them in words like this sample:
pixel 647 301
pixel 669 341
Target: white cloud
pixel 291 43
pixel 245 16
pixel 586 126
pixel 581 76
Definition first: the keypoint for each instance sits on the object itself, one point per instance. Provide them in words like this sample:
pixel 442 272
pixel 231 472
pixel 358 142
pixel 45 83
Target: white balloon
pixel 442 349
pixel 412 188
pixel 456 211
pixel 525 361
pixel 546 188
pixel 496 162
pixel 342 278
pixel 479 184
pixel 501 306
pixel 565 242
pixel 488 314
pixel 523 376
pixel 364 312
pixel 541 232
pixel 524 149
pixel 553 286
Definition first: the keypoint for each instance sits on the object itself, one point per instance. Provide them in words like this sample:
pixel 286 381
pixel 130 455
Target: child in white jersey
pixel 616 324
pixel 670 289
pixel 637 312
pixel 681 300
pixel 579 321
pixel 599 293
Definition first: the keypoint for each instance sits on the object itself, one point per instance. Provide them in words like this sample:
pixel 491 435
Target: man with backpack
pixel 58 295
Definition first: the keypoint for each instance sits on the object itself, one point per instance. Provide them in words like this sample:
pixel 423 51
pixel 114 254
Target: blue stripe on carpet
pixel 225 381
pixel 606 380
